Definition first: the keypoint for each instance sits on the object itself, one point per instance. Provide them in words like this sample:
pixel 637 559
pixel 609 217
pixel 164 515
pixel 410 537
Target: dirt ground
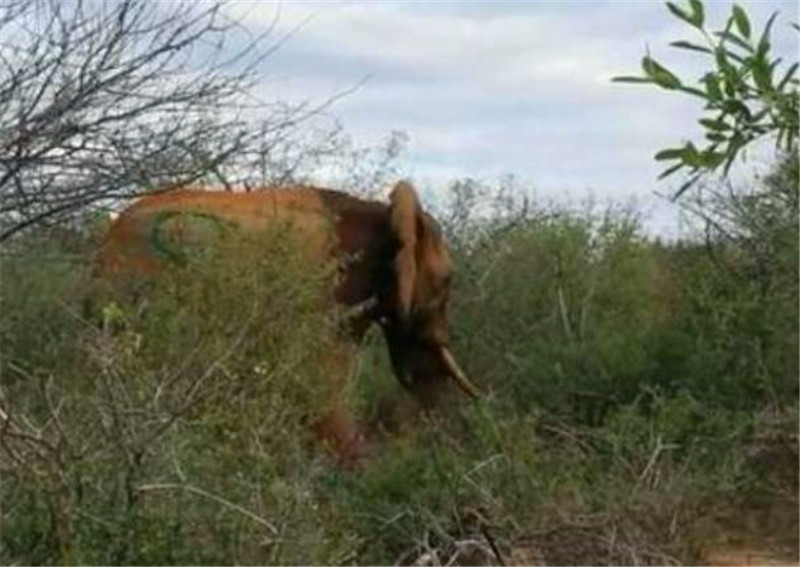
pixel 741 556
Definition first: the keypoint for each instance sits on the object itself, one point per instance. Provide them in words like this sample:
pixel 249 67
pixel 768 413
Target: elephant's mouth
pixel 424 365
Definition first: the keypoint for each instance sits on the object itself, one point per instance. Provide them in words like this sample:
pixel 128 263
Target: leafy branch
pixel 747 95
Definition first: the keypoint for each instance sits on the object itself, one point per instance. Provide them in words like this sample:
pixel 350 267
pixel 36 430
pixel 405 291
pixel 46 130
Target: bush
pixel 564 312
pixel 741 291
pixel 642 402
pixel 579 313
pixel 487 486
pixel 188 422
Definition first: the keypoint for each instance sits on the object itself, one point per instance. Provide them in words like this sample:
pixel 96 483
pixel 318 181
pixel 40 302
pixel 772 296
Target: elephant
pixel 394 270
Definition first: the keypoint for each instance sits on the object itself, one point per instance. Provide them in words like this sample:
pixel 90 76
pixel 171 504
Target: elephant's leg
pixel 338 431
pixel 336 427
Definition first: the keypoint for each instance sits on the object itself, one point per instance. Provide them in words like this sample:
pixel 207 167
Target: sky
pixel 488 88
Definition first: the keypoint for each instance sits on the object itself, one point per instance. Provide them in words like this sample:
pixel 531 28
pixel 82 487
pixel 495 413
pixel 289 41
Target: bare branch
pixel 108 101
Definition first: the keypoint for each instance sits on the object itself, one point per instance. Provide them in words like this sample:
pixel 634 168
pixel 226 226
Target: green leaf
pixel 691 46
pixel 711 159
pixel 631 80
pixel 691 156
pixel 680 13
pixel 670 170
pixel 741 20
pixel 693 91
pixel 723 64
pixel 763 43
pixel 662 76
pixel 734 106
pixel 763 48
pixel 716 137
pixel 698 15
pixel 772 66
pixel 670 153
pixel 779 137
pixel 712 87
pixel 788 77
pixel 728 36
pixel 731 80
pixel 760 114
pixel 734 145
pixel 712 124
pixel 729 24
pixel 692 180
pixel 762 75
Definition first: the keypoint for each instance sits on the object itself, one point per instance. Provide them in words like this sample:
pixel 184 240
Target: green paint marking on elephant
pixel 175 234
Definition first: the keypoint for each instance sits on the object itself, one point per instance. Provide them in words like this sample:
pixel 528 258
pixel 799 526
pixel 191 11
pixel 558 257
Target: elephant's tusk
pixel 458 375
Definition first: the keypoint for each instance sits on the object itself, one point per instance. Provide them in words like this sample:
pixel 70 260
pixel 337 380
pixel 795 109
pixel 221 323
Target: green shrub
pixel 572 494
pixel 563 313
pixel 741 293
pixel 179 420
pixel 579 313
pixel 641 397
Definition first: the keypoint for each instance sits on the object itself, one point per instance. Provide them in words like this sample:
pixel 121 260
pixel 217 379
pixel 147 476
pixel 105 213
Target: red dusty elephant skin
pixel 393 263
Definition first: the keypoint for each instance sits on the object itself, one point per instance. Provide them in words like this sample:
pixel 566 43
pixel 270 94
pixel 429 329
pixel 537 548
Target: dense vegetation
pixel 641 396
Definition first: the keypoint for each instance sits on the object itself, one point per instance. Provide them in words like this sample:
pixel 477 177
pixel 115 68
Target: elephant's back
pixel 252 209
pixel 149 231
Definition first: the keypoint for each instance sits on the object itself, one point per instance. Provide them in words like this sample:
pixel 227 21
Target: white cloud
pixel 484 88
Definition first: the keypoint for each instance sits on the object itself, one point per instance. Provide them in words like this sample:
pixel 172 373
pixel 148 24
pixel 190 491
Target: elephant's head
pixel 415 324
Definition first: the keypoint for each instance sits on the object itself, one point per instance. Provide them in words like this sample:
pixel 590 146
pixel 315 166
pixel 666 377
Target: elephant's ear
pixel 404 217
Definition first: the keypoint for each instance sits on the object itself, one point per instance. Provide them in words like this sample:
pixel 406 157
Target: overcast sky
pixel 485 88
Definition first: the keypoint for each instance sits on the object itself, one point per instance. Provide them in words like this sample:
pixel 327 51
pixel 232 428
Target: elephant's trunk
pixel 458 375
